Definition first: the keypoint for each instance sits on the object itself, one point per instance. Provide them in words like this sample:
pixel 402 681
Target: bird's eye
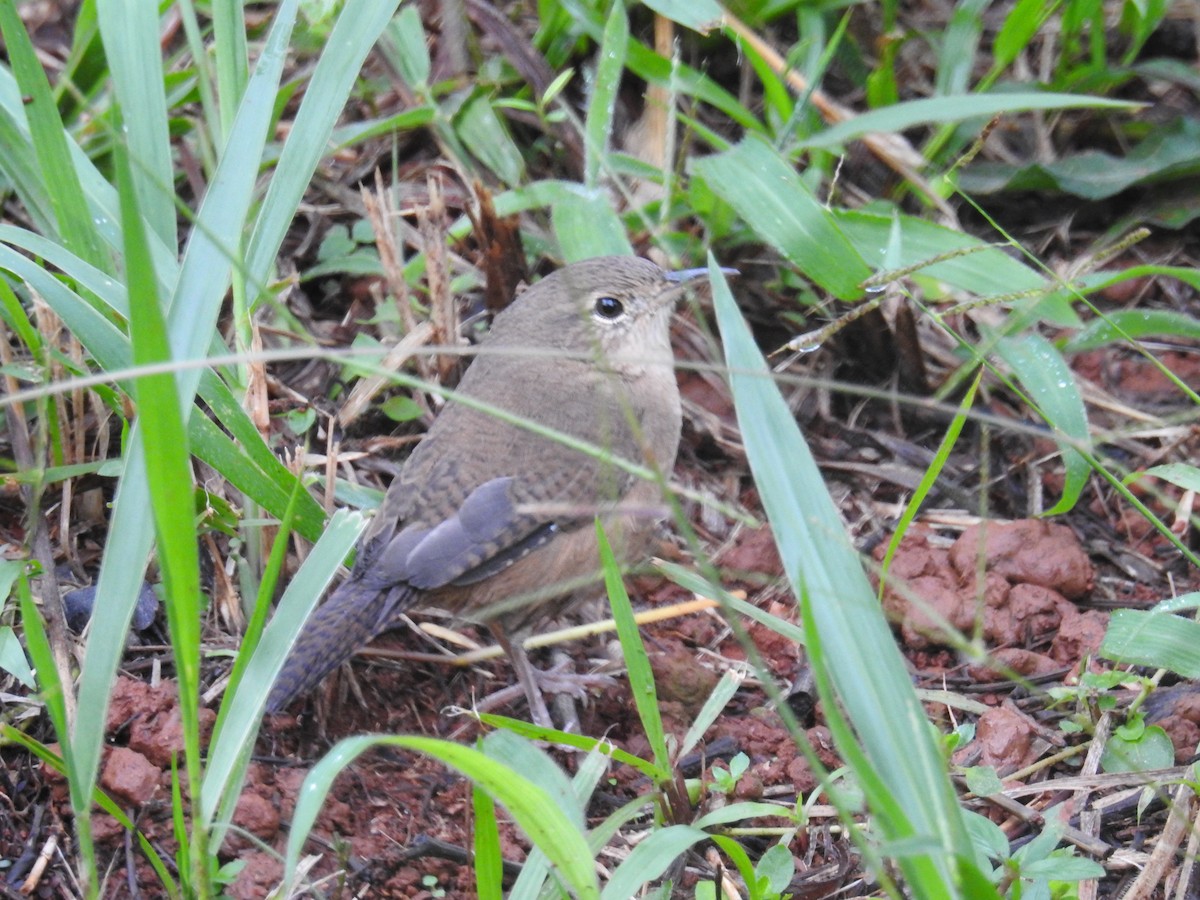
pixel 608 308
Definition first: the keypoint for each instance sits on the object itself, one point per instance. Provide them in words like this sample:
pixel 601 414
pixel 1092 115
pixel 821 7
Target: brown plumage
pixel 485 511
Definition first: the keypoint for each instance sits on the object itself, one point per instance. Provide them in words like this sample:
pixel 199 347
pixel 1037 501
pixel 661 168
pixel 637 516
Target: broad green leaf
pixel 1043 372
pixel 649 859
pixel 1151 751
pixel 1179 474
pixel 486 136
pixel 768 194
pixel 1156 639
pixel 412 51
pixel 586 225
pixel 698 15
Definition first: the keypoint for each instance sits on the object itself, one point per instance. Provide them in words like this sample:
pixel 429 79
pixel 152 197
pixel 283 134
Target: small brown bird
pixel 486 511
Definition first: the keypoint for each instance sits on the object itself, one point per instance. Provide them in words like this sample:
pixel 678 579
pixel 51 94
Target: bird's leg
pixel 564 702
pixel 527 677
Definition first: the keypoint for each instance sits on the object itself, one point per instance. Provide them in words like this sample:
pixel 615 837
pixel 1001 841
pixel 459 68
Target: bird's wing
pixel 468 532
pixel 498 523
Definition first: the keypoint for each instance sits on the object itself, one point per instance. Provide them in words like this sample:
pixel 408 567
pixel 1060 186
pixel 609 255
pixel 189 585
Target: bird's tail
pixel 354 615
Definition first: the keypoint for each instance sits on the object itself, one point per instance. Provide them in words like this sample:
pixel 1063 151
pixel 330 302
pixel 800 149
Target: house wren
pixel 486 511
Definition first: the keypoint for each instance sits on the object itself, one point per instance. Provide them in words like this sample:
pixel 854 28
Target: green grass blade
pixel 232 778
pixel 637 662
pixel 358 27
pixel 130 31
pixel 240 723
pixel 1051 384
pixel 870 678
pixel 489 862
pixel 232 63
pixel 650 858
pixel 57 172
pixel 168 473
pixel 52 696
pixel 203 280
pixel 536 813
pixel 935 110
pixel 929 478
pixel 603 104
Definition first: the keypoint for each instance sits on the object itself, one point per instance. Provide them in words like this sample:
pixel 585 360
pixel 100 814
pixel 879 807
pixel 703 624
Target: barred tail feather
pixel 354 615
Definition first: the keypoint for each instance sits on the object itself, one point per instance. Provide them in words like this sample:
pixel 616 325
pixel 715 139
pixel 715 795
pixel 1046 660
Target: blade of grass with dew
pixel 1051 384
pixel 586 225
pixel 770 197
pixel 870 677
pixel 986 271
pixel 933 110
pixel 134 56
pixel 299 599
pixel 168 469
pixel 534 812
pixel 603 103
pixel 198 295
pixel 637 663
pixel 1131 324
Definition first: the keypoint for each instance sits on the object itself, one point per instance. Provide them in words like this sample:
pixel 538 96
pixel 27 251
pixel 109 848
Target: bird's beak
pixel 685 275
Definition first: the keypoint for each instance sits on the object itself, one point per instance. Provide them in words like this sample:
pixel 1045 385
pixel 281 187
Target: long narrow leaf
pixel 130 31
pixel 870 678
pixel 537 815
